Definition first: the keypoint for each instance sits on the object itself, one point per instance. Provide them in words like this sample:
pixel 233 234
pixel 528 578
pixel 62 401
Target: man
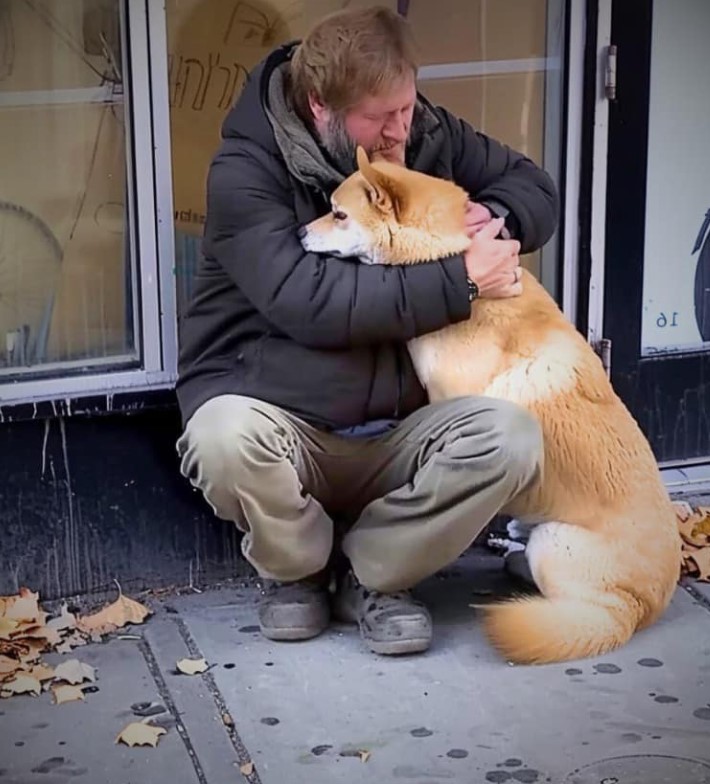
pixel 300 402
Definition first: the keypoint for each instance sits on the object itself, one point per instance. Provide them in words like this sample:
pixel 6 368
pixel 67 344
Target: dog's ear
pixel 381 189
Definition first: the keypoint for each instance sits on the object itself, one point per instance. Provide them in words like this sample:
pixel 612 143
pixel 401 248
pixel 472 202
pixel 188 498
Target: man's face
pixel 379 123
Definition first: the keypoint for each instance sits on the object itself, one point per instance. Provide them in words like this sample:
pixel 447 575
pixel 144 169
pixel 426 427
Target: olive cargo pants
pixel 416 496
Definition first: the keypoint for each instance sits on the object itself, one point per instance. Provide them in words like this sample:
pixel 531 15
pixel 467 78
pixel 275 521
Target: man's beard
pixel 342 149
pixel 339 146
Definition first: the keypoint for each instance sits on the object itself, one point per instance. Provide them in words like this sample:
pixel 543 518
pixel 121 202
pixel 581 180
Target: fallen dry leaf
pixel 64 693
pixel 74 640
pixel 121 612
pixel 694 528
pixel 26 608
pixel 36 632
pixel 65 620
pixel 192 666
pixel 7 627
pixel 9 665
pixel 246 769
pixel 698 564
pixel 6 602
pixel 139 734
pixel 22 684
pixel 26 633
pixel 74 671
pixel 364 755
pixel 14 649
pixel 702 528
pixel 33 650
pixel 689 531
pixel 42 672
pixel 683 510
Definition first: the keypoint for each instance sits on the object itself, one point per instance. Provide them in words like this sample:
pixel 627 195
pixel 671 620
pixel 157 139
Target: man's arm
pixel 508 183
pixel 317 300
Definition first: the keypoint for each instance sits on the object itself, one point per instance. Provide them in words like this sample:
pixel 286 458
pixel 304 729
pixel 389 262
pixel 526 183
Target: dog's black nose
pixel 302 232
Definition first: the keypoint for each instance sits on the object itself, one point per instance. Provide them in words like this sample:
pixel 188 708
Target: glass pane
pixel 65 271
pixel 676 286
pixel 496 75
pixel 475 63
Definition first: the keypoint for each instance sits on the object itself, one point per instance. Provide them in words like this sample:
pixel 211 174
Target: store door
pixel 657 250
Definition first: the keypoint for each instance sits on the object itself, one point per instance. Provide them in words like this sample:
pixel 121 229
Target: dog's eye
pixel 339 215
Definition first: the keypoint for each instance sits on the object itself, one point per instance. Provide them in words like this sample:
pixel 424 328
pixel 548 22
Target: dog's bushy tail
pixel 538 630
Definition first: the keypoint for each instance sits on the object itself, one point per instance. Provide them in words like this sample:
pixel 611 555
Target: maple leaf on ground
pixel 25 634
pixel 29 630
pixel 13 648
pixel 683 510
pixel 9 665
pixel 75 640
pixel 42 672
pixel 32 650
pixel 6 602
pixel 139 734
pixel 65 620
pixel 64 693
pixel 698 564
pixel 22 684
pixel 192 666
pixel 702 527
pixel 121 612
pixel 26 608
pixel 74 671
pixel 692 533
pixel 694 528
pixel 7 627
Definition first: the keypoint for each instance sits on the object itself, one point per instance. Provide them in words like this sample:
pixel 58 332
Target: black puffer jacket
pixel 323 337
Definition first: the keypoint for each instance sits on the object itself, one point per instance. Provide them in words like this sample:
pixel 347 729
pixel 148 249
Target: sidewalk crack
pixel 241 751
pixel 167 698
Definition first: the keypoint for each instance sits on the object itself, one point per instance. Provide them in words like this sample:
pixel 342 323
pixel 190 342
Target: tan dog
pixel 605 549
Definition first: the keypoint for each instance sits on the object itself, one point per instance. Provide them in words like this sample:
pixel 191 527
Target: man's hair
pixel 351 54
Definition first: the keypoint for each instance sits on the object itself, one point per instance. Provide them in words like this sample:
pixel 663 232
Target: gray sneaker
pixel 390 623
pixel 294 611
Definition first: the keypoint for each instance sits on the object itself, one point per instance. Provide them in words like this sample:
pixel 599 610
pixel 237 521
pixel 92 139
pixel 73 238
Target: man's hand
pixel 493 264
pixel 477 216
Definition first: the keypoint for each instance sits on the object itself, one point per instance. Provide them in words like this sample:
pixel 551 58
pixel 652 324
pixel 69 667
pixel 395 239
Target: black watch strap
pixel 472 289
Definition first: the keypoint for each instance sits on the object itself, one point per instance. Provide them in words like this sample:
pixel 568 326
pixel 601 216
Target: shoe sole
pixel 398 647
pixel 291 634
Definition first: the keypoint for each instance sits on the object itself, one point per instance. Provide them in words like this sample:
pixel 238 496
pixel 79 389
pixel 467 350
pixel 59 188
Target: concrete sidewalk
pixel 328 711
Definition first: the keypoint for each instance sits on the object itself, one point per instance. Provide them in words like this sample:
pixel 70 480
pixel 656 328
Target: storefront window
pixel 676 285
pixel 502 77
pixel 67 272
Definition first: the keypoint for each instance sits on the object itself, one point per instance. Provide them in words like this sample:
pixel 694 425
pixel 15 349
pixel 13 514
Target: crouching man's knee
pixel 222 441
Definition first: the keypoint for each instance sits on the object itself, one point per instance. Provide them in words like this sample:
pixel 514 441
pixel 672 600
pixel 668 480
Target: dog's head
pixel 386 214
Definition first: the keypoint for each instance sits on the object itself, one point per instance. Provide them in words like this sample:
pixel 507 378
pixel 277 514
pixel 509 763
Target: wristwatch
pixel 472 289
